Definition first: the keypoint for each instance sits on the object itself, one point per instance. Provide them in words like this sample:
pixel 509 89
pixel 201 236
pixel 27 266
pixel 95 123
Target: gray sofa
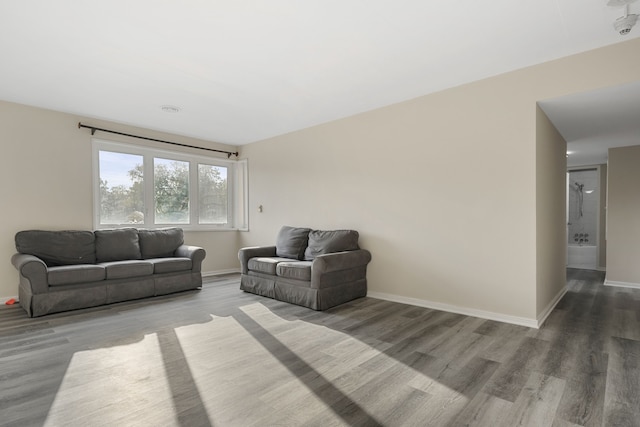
pixel 67 270
pixel 313 268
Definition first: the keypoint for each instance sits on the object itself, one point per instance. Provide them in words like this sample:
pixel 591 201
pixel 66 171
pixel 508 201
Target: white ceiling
pixel 243 70
pixel 595 121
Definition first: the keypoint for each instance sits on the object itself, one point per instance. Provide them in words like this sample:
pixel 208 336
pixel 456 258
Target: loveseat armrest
pixel 338 261
pixel 195 253
pixel 245 254
pixel 32 270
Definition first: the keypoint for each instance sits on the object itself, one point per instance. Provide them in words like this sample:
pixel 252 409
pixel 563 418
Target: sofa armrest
pixel 338 261
pixel 32 270
pixel 245 254
pixel 195 253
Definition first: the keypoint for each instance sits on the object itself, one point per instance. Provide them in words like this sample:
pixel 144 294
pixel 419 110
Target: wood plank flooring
pixel 221 357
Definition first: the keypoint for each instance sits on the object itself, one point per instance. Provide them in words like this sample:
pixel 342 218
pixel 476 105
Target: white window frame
pixel 237 197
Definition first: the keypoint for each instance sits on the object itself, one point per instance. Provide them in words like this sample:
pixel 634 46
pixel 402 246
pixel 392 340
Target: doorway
pixel 583 211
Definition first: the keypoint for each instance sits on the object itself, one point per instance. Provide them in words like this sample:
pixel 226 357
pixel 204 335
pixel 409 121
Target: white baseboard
pixel 521 321
pixel 621 284
pixel 542 317
pixel 220 272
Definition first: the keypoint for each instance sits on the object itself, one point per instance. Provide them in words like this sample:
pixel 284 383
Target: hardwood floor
pixel 221 357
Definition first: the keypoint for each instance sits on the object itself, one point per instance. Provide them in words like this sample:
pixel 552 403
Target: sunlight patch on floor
pixel 249 366
pixel 103 384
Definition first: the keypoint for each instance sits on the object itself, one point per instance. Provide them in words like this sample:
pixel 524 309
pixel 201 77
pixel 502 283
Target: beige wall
pixel 551 212
pixel 623 216
pixel 46 180
pixel 442 188
pixel 422 182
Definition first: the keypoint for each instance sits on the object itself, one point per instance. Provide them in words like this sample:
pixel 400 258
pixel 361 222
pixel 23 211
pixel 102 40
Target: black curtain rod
pixel 94 129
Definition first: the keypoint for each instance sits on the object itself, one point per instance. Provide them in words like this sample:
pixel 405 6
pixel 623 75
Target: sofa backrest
pixel 117 244
pixel 68 247
pixel 130 243
pixel 65 247
pixel 292 242
pixel 160 242
pixel 329 241
pixel 304 243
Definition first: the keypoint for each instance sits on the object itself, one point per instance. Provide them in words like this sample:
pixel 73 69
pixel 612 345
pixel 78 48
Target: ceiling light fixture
pixel 624 24
pixel 170 108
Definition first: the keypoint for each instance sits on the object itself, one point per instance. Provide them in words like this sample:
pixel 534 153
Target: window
pixel 121 191
pixel 212 194
pixel 144 187
pixel 171 191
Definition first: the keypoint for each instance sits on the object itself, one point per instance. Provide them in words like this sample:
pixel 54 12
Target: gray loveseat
pixel 313 268
pixel 67 270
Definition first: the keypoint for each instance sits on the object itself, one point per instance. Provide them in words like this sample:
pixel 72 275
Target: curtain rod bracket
pixel 94 129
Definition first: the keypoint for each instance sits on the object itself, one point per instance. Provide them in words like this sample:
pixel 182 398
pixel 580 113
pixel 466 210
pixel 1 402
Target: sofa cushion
pixel 160 243
pixel 126 269
pixel 67 247
pixel 266 264
pixel 170 265
pixel 117 245
pixel 72 274
pixel 329 241
pixel 291 242
pixel 300 270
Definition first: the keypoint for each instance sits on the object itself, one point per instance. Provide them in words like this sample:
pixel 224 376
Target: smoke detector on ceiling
pixel 624 24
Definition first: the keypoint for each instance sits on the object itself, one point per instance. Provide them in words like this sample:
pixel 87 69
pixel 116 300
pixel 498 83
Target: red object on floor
pixel 10 301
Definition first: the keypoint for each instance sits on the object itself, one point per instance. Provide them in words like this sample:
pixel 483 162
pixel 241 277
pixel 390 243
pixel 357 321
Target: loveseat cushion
pixel 126 269
pixel 72 274
pixel 117 245
pixel 300 270
pixel 266 265
pixel 160 243
pixel 329 241
pixel 67 247
pixel 170 265
pixel 291 242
